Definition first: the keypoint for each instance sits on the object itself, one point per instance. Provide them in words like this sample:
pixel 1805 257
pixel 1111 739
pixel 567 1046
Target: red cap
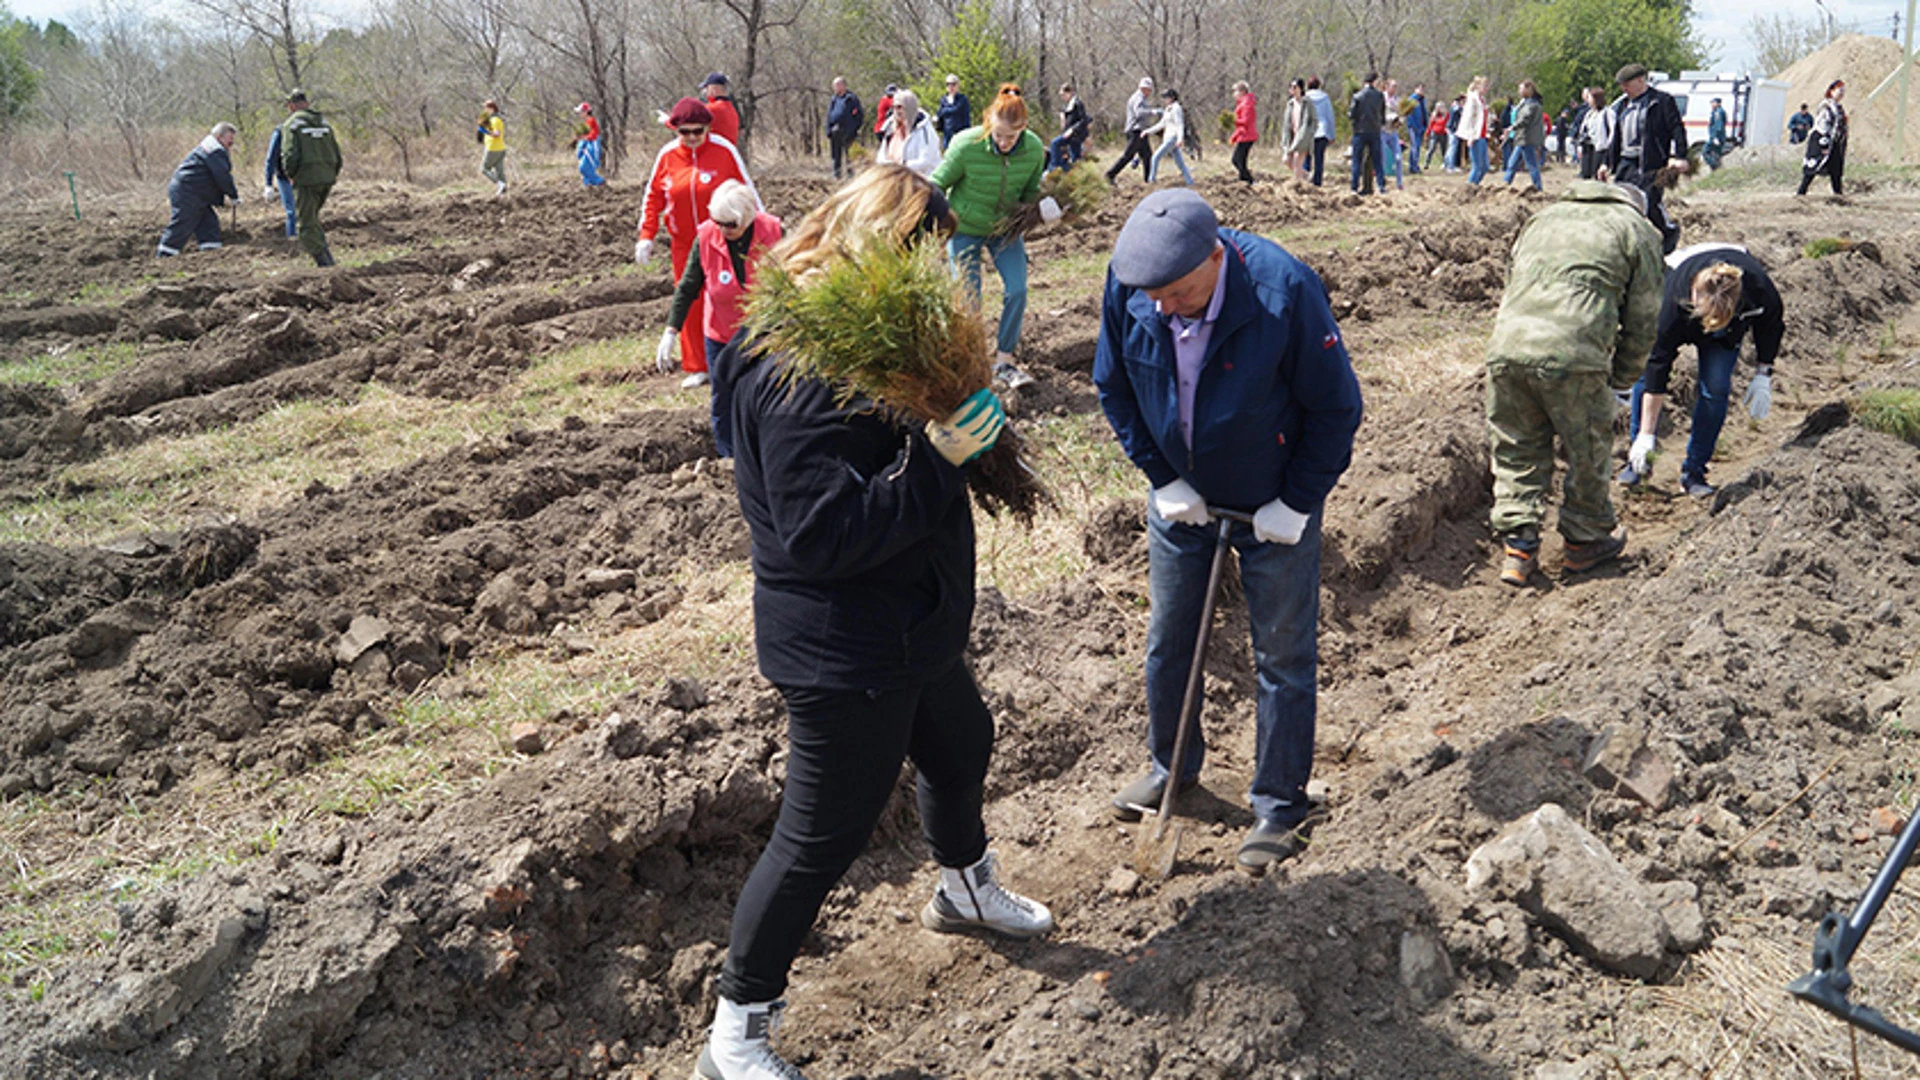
pixel 583 107
pixel 689 111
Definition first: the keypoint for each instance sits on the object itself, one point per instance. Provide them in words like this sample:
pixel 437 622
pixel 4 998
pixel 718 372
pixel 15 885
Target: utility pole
pixel 1906 76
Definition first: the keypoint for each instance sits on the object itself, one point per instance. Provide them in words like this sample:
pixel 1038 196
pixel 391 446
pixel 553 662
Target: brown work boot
pixel 1519 560
pixel 1584 557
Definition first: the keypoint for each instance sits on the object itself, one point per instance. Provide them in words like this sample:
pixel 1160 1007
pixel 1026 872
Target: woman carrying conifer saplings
pixel 863 561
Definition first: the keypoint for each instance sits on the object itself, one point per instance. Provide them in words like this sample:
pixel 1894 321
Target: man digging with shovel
pixel 1223 374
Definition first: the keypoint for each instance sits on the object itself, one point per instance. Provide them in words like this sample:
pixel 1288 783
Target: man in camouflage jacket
pixel 1579 314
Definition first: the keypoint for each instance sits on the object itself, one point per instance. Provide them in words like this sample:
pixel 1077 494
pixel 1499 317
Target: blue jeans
pixel 1282 586
pixel 1319 158
pixel 1717 360
pixel 1418 136
pixel 286 201
pixel 1365 148
pixel 1010 259
pixel 1062 152
pixel 1169 146
pixel 722 402
pixel 1518 153
pixel 1453 152
pixel 1477 151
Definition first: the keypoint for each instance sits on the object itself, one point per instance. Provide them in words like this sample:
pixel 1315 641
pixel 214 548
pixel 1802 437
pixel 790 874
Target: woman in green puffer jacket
pixel 988 172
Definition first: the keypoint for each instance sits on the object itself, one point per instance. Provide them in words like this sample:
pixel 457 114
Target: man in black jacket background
pixel 1369 116
pixel 1648 132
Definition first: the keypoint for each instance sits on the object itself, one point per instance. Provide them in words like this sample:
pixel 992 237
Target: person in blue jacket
pixel 955 114
pixel 845 118
pixel 200 186
pixel 277 182
pixel 1222 371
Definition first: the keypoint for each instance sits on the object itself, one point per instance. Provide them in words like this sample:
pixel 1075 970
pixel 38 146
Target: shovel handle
pixel 1190 704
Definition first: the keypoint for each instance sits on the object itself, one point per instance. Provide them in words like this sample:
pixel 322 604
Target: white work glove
pixel 1179 502
pixel 1624 399
pixel 643 252
pixel 1759 399
pixel 1050 209
pixel 236 197
pixel 268 193
pixel 970 430
pixel 1637 453
pixel 1278 523
pixel 666 358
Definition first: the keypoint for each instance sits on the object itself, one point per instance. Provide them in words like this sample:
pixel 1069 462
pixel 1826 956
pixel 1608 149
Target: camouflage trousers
pixel 1526 410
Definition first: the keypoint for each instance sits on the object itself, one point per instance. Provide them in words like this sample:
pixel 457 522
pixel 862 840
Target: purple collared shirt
pixel 1190 350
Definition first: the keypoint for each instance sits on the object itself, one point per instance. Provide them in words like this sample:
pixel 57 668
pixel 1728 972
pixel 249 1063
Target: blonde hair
pixel 883 201
pixel 906 108
pixel 733 201
pixel 1008 107
pixel 1716 295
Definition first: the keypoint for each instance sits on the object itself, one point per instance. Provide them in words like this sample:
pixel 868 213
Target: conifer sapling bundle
pixel 887 324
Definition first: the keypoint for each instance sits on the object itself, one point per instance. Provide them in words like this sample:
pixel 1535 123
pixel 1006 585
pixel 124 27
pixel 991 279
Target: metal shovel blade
pixel 1156 847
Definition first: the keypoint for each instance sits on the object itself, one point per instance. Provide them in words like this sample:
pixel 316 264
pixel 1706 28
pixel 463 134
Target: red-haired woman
pixel 987 173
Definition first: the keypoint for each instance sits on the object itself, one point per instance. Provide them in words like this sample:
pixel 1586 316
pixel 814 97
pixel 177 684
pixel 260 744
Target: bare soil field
pixel 377 695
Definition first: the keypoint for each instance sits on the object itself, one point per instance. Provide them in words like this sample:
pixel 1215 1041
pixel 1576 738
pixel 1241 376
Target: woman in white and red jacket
pixel 686 173
pixel 727 250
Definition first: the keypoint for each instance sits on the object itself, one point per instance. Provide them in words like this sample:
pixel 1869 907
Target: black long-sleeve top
pixel 1760 310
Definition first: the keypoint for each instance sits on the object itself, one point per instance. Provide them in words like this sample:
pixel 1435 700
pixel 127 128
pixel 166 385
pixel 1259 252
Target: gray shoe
pixel 1629 475
pixel 1697 487
pixel 1144 795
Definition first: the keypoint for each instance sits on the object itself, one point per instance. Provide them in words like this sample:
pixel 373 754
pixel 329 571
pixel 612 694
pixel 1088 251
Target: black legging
pixel 846 748
pixel 1240 151
pixel 1836 164
pixel 1137 148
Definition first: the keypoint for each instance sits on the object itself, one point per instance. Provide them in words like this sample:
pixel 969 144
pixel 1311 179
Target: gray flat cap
pixel 1169 234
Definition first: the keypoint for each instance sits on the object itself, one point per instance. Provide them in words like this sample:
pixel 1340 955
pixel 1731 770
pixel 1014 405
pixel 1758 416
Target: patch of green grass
pixel 109 294
pixel 70 367
pixel 372 256
pixel 1890 412
pixel 1822 246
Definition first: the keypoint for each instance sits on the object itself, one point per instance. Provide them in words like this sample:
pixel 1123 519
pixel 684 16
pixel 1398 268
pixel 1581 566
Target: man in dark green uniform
pixel 1575 324
pixel 310 157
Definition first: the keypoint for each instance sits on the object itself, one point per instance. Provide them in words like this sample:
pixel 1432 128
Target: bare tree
pixel 591 36
pixel 1779 40
pixel 483 33
pixel 125 75
pixel 758 19
pixel 280 24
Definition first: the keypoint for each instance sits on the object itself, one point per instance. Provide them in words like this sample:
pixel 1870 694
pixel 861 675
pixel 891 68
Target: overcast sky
pixel 1722 23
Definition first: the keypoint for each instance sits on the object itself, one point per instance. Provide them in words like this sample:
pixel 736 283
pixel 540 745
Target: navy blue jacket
pixel 844 114
pixel 206 176
pixel 275 173
pixel 955 116
pixel 1276 404
pixel 862 535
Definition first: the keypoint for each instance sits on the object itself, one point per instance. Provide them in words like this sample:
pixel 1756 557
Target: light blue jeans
pixel 1282 586
pixel 1009 257
pixel 1169 146
pixel 1518 153
pixel 286 201
pixel 1477 152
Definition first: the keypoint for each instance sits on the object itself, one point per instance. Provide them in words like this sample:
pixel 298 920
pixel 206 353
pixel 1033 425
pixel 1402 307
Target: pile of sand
pixel 1863 62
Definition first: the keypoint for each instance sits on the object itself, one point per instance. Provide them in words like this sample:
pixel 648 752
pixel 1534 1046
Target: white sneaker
pixel 698 378
pixel 739 1045
pixel 500 187
pixel 972 898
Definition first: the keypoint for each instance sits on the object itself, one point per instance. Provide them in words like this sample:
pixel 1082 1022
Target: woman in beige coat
pixel 1303 125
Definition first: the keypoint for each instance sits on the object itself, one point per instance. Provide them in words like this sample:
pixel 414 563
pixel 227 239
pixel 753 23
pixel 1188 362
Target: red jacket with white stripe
pixel 682 183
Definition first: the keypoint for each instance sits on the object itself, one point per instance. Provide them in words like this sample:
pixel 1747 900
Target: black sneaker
pixel 1270 843
pixel 1697 487
pixel 1145 794
pixel 1583 557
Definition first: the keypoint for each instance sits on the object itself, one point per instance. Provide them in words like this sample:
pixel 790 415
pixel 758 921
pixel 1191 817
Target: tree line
pixel 411 73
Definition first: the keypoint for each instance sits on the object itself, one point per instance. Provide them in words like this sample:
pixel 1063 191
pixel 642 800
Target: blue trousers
pixel 1062 152
pixel 1319 158
pixel 285 187
pixel 1477 152
pixel 1168 146
pixel 1366 165
pixel 1418 136
pixel 722 402
pixel 587 157
pixel 1717 360
pixel 192 216
pixel 1282 585
pixel 1518 153
pixel 1010 259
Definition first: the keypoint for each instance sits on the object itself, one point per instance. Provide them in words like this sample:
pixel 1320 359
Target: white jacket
pixel 1473 118
pixel 919 151
pixel 1173 124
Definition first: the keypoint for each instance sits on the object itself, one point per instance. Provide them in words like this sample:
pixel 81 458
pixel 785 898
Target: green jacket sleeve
pixel 1640 316
pixel 289 150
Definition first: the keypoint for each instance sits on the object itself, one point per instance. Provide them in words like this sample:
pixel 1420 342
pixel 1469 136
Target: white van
pixel 1756 107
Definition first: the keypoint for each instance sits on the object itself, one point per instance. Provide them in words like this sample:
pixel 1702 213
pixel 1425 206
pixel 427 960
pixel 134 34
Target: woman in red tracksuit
pixel 686 173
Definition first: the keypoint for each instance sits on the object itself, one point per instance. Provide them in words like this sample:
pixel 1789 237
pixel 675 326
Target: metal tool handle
pixel 1190 705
